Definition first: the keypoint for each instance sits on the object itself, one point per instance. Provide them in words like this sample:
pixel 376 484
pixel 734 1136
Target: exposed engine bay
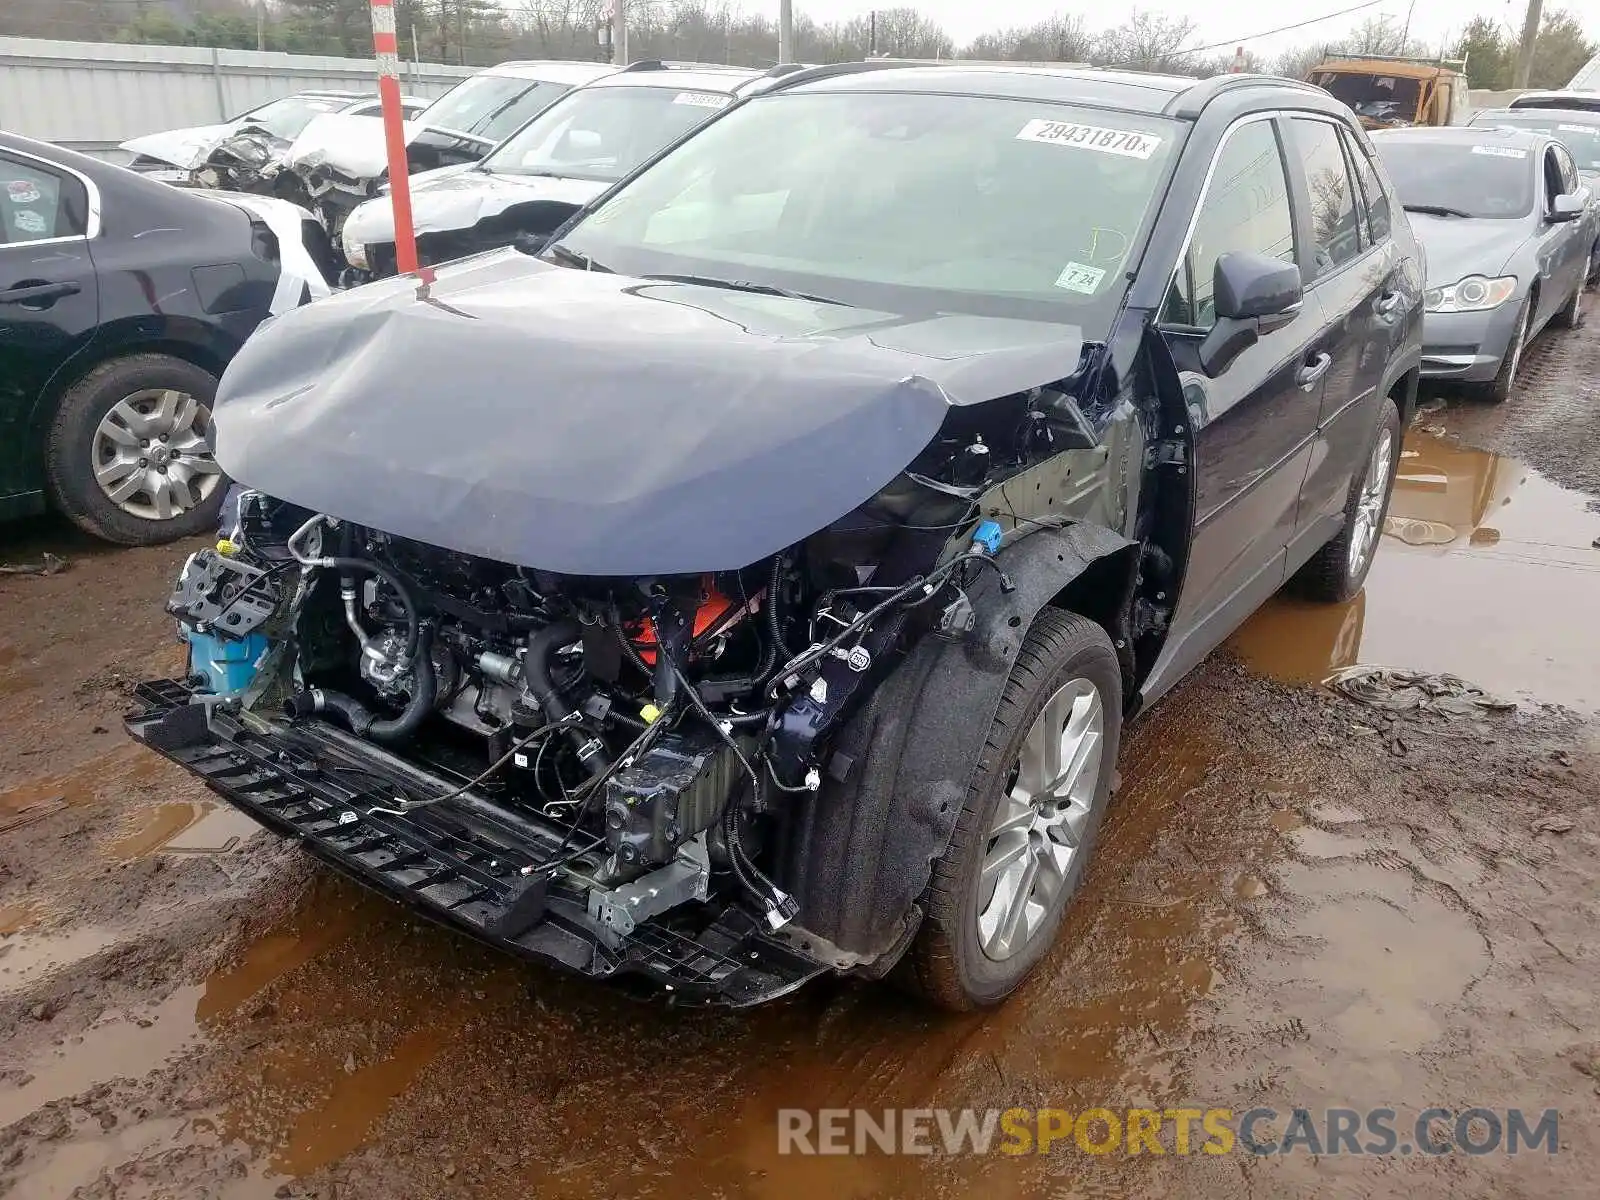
pixel 654 728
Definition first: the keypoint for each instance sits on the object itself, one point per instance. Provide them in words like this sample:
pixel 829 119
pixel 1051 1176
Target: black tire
pixel 1506 378
pixel 947 962
pixel 70 449
pixel 1329 577
pixel 1571 314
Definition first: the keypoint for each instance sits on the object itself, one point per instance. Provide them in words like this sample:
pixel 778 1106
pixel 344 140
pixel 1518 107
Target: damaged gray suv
pixel 754 584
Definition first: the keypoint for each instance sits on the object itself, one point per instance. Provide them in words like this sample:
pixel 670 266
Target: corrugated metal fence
pixel 92 95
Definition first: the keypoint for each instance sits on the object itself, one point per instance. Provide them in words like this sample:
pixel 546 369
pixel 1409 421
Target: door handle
pixel 1314 370
pixel 39 295
pixel 1387 303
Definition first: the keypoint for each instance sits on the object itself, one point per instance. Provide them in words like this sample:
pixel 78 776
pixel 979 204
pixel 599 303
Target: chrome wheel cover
pixel 1369 504
pixel 1041 821
pixel 152 454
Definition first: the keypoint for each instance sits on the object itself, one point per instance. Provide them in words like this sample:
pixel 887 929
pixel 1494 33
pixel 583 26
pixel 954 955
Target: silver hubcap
pixel 153 456
pixel 1369 506
pixel 1041 820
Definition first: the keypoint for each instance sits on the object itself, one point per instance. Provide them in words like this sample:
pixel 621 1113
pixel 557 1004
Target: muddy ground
pixel 1298 901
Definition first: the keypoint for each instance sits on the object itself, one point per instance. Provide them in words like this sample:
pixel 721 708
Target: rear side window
pixel 1379 221
pixel 1246 207
pixel 1334 224
pixel 38 202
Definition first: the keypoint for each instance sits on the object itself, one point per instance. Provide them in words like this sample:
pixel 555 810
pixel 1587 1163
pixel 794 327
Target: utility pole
pixel 1530 34
pixel 619 32
pixel 461 30
pixel 786 31
pixel 872 34
pixel 261 24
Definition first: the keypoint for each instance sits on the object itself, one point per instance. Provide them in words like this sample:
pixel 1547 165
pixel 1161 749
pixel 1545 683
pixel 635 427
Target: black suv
pixel 754 583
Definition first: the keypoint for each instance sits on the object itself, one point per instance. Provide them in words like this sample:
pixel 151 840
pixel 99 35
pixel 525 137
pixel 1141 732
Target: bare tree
pixel 1148 41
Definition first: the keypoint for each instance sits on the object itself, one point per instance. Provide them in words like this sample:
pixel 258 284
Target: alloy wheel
pixel 1369 505
pixel 153 456
pixel 1041 820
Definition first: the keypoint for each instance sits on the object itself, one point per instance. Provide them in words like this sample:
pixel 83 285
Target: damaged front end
pixel 598 683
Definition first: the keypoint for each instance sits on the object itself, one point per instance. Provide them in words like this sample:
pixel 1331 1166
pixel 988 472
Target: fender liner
pixel 861 850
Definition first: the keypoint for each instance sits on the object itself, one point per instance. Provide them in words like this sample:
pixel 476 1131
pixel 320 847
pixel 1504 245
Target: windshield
pixel 490 106
pixel 1580 134
pixel 1474 180
pixel 905 203
pixel 1383 98
pixel 603 133
pixel 286 118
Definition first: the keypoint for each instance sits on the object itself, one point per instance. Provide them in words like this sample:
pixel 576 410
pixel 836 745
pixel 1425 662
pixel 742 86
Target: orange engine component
pixel 713 611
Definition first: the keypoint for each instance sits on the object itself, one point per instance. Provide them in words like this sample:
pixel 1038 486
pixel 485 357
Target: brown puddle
pixel 120 1044
pixel 159 827
pixel 125 767
pixel 27 957
pixel 1486 570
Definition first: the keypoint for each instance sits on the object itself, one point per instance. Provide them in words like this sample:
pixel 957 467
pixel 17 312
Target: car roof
pixel 1465 135
pixel 1586 116
pixel 690 77
pixel 552 70
pixel 1128 91
pixel 1557 100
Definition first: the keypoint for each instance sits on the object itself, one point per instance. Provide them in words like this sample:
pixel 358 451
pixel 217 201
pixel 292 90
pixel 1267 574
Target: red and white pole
pixel 386 46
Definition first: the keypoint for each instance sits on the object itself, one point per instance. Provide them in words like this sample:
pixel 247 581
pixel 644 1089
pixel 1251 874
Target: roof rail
pixel 1192 100
pixel 830 70
pixel 1334 56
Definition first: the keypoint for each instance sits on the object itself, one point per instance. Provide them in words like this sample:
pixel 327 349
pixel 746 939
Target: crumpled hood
pixel 184 148
pixel 352 145
pixel 1461 246
pixel 459 197
pixel 594 424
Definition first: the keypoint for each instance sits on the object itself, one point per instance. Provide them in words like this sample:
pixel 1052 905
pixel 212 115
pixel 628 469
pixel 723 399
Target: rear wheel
pixel 1338 571
pixel 129 456
pixel 1027 829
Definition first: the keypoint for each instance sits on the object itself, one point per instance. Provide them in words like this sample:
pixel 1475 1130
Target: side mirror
pixel 1569 206
pixel 1253 294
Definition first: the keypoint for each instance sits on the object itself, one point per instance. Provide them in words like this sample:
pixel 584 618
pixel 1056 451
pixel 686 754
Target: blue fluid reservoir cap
pixel 986 538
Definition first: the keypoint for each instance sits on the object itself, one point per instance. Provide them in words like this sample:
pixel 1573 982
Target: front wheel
pixel 1338 571
pixel 1028 826
pixel 129 456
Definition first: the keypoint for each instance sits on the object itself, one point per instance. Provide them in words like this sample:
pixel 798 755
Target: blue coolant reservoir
pixel 226 664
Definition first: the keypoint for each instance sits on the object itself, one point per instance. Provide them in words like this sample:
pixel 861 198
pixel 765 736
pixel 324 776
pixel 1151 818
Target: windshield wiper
pixel 573 258
pixel 742 285
pixel 1436 210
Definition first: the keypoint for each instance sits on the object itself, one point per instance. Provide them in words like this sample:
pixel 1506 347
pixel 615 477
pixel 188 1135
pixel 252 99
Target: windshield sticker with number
pixel 1500 151
pixel 1076 277
pixel 1125 142
pixel 700 99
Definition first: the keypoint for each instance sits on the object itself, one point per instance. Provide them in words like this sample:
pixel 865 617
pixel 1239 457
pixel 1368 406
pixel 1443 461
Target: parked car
pixel 755 584
pixel 1579 131
pixel 1584 101
pixel 341 166
pixel 121 301
pixel 1509 230
pixel 544 172
pixel 246 153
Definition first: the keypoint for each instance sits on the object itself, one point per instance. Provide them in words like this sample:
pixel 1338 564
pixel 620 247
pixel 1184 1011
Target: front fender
pixel 862 849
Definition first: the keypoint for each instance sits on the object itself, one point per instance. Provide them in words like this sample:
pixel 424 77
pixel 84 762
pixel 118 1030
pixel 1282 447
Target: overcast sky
pixel 1216 20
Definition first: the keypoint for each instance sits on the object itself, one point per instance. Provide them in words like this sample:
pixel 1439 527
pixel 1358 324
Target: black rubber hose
pixel 360 719
pixel 773 627
pixel 542 645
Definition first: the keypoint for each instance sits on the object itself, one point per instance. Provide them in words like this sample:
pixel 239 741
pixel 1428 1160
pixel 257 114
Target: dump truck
pixel 1392 92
